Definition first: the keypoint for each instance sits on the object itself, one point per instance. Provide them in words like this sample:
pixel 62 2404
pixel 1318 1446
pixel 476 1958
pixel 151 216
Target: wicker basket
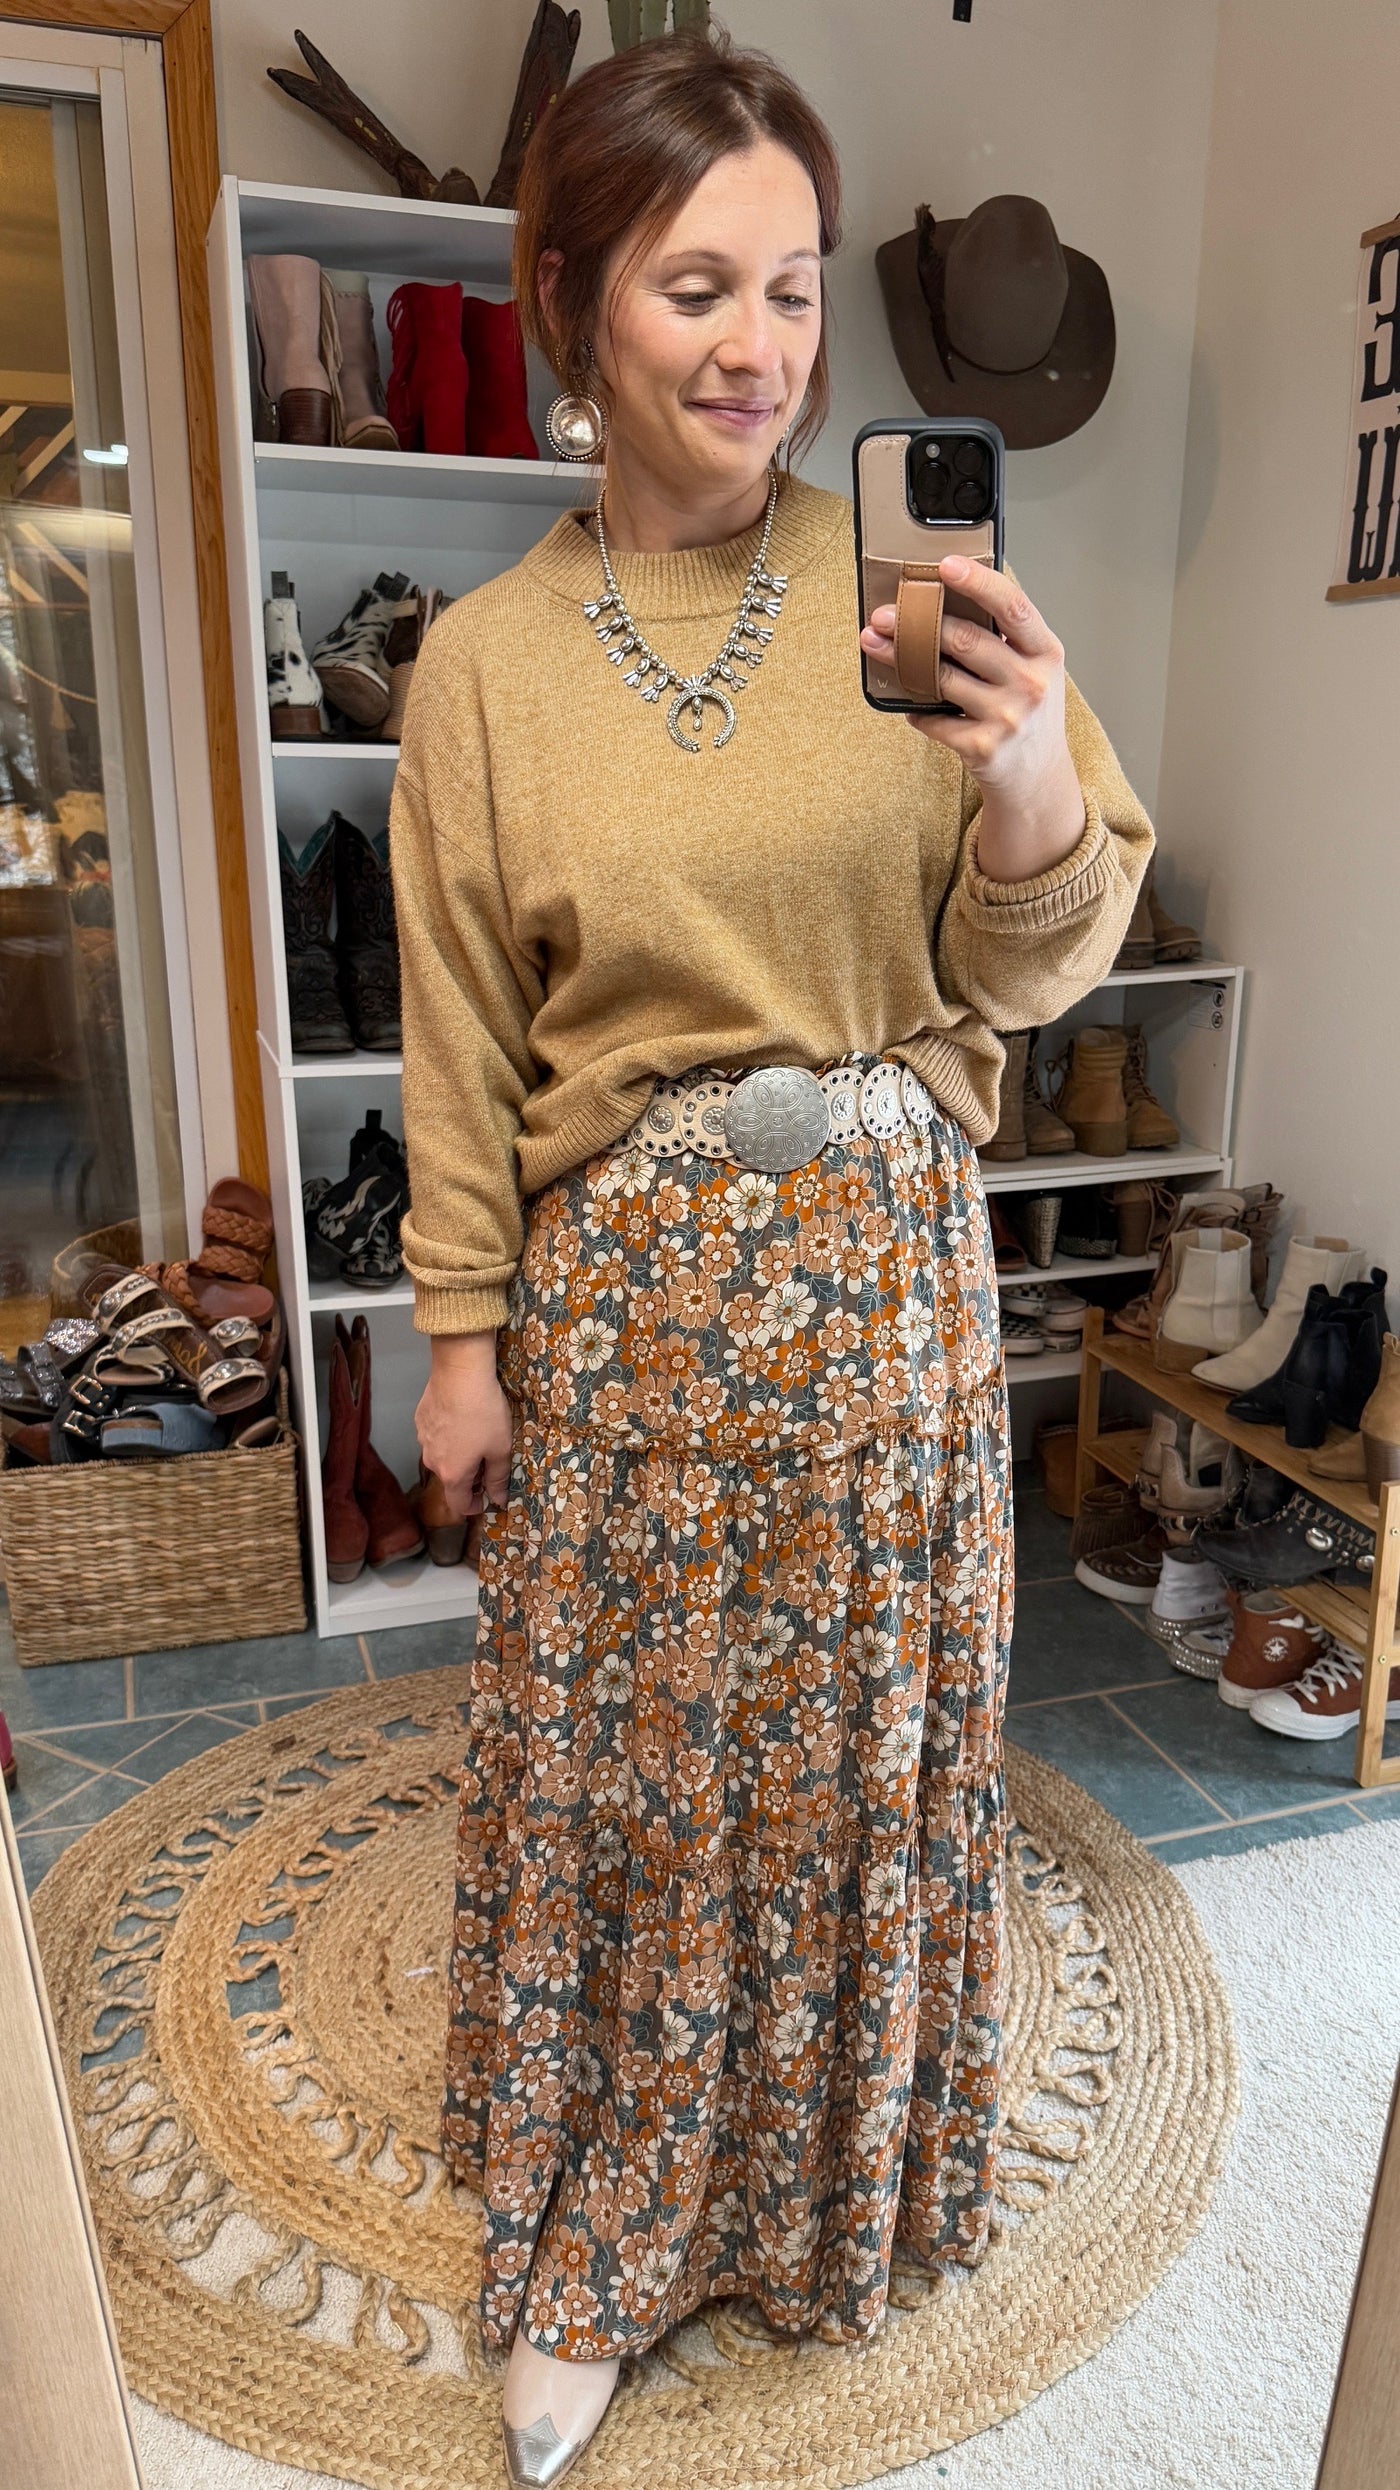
pixel 108 1557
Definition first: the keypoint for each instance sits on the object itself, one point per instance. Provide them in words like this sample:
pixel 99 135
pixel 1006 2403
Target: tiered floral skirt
pixel 727 1965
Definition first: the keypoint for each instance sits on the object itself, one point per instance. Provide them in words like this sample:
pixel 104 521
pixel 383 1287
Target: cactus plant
pixel 637 21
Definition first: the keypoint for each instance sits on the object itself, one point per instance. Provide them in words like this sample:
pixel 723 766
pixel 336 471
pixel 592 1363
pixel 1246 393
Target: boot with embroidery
pixel 319 1025
pixel 366 941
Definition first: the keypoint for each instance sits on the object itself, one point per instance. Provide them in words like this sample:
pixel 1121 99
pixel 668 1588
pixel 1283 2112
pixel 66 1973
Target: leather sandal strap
pixel 918 624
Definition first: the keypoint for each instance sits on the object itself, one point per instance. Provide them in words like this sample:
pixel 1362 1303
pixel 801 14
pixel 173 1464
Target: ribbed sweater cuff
pixel 443 1307
pixel 1071 888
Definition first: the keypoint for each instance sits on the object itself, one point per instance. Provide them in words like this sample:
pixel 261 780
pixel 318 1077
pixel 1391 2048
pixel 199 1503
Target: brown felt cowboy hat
pixel 991 315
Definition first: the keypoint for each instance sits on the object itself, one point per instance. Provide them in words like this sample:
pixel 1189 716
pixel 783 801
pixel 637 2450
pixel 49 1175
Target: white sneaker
pixel 1189 1590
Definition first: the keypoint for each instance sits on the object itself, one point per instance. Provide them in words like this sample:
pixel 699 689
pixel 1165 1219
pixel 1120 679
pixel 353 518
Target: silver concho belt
pixel 781 1116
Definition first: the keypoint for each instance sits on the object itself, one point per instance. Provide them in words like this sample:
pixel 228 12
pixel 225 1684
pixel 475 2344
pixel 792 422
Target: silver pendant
pixel 693 696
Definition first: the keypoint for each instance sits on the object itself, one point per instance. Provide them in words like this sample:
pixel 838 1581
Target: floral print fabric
pixel 727 1966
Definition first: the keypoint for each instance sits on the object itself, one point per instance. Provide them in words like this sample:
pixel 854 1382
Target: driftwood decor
pixel 544 71
pixel 638 21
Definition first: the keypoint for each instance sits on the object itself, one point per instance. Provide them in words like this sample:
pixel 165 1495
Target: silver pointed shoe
pixel 538 2456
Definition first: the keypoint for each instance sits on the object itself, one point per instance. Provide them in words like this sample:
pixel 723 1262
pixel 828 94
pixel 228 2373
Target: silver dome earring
pixel 576 424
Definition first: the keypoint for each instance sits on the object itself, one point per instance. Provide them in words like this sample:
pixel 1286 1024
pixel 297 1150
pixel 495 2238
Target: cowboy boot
pixel 497 420
pixel 347 1531
pixel 366 939
pixel 318 1022
pixel 350 659
pixel 444 1530
pixel 428 382
pixel 351 358
pixel 393 1527
pixel 294 388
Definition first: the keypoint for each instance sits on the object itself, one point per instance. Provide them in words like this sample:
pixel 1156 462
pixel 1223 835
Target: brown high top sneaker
pixel 1090 1097
pixel 1149 1125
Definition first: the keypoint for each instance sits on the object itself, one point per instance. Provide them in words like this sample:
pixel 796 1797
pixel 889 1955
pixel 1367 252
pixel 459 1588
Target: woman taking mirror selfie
pixel 703 959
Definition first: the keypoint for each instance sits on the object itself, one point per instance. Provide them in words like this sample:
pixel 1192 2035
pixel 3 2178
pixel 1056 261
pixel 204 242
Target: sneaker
pixel 1271 1645
pixel 1051 1304
pixel 1130 1573
pixel 1020 1338
pixel 1189 1590
pixel 350 659
pixel 1326 1700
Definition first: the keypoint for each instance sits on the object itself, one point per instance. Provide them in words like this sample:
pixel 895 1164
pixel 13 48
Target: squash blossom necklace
pixel 650 675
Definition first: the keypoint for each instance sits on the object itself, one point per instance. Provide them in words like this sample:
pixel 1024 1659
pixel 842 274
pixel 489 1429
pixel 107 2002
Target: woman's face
pixel 714 332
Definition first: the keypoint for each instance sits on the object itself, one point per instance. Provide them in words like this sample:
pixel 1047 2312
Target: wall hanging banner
pixel 1368 556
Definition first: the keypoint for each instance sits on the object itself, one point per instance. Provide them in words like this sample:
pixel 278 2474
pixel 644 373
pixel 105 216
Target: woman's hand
pixel 464 1422
pixel 1012 738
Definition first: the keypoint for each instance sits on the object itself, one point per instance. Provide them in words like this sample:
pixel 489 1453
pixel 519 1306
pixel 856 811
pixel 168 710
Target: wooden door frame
pixel 182 29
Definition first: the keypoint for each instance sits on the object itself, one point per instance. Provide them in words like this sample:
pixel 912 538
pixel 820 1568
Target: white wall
pixel 1099 107
pixel 1278 804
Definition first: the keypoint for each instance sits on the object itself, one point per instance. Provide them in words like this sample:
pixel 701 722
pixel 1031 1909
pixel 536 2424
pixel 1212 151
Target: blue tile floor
pixel 1089 1690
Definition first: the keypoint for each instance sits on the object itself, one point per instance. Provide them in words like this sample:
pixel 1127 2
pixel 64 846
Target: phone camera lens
pixel 970 459
pixel 970 499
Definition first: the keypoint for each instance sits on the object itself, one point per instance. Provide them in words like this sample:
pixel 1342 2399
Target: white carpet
pixel 1223 2378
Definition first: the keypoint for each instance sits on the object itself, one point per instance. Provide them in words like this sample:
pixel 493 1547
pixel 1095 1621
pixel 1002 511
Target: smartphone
pixel 923 489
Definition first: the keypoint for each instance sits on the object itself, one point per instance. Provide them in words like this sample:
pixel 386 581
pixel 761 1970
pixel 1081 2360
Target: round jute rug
pixel 247 1966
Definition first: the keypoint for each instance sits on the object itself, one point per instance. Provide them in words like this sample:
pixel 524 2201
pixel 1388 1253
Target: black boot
pixel 366 939
pixel 1365 1322
pixel 1309 1384
pixel 319 1025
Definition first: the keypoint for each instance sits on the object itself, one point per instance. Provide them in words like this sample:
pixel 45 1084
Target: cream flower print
pixel 751 1199
pixel 787 1308
pixel 629 1170
pixel 592 1345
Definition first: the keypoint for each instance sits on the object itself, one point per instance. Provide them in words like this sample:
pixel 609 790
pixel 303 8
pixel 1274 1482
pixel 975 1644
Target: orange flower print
pixel 731 1832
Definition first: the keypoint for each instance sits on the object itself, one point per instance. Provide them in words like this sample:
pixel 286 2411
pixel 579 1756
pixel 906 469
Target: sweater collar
pixel 708 580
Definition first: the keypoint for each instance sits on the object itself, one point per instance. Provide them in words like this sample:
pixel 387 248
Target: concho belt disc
pixel 881 1108
pixel 702 1117
pixel 842 1087
pixel 918 1105
pixel 777 1118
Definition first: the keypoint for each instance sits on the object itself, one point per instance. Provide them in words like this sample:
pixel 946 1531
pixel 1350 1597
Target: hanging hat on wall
pixel 991 315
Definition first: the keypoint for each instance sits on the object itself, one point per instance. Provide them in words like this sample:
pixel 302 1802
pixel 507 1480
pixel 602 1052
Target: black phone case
pixel 884 538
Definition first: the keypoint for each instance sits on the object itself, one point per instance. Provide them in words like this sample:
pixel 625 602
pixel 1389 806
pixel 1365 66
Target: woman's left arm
pixel 1056 842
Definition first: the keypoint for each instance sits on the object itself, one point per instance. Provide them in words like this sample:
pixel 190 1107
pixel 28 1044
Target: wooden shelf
pixel 1367 1621
pixel 1196 1400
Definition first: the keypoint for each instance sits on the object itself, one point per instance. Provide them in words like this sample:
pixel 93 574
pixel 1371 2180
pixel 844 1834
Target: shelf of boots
pixel 1367 1621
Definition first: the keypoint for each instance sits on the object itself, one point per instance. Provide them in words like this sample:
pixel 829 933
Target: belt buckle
pixel 777 1118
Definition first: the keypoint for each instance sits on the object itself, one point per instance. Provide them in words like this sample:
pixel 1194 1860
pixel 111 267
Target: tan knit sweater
pixel 583 907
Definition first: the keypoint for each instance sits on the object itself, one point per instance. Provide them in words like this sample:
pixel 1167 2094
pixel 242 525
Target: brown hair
pixel 622 149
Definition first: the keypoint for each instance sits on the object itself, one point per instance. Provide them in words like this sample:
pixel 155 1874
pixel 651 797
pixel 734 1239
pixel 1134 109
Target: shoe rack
pixel 1365 1620
pixel 1190 1014
pixel 332 518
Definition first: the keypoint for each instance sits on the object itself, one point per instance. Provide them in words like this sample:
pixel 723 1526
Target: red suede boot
pixel 8 1767
pixel 427 392
pixel 394 1528
pixel 347 1531
pixel 498 425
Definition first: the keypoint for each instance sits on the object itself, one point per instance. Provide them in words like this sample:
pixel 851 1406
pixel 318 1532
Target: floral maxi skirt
pixel 726 1979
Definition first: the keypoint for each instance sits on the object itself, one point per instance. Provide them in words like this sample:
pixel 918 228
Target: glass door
pixel 89 1117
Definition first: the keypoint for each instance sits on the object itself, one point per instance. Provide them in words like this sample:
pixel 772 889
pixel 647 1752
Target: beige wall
pixel 1100 107
pixel 1278 804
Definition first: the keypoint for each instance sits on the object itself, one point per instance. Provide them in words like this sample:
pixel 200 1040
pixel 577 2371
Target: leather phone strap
pixel 918 623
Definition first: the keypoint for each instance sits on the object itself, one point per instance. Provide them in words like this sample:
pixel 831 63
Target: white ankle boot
pixel 1211 1307
pixel 293 685
pixel 1328 1259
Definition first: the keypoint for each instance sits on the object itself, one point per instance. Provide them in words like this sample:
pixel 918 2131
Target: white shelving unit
pixel 1190 1013
pixel 332 518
